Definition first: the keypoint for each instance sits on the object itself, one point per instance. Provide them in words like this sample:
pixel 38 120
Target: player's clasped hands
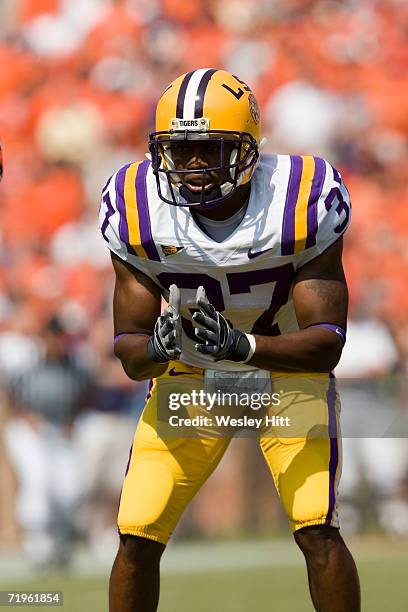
pixel 216 336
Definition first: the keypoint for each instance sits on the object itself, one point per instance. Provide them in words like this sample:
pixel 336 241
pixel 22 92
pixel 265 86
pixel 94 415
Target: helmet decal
pixel 254 108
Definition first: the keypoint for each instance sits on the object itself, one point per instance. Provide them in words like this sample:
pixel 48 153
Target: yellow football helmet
pixel 205 104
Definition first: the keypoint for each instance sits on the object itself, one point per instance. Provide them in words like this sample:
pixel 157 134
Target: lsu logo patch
pixel 169 249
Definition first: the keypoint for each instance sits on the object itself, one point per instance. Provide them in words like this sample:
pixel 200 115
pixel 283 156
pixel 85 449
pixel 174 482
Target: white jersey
pixel 297 208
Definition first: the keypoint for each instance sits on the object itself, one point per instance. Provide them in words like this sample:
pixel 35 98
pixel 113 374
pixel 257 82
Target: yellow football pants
pixel 166 471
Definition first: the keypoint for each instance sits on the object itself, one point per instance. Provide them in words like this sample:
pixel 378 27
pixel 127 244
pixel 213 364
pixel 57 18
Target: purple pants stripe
pixel 126 471
pixel 149 388
pixel 288 225
pixel 120 202
pixel 334 449
pixel 315 193
pixel 128 463
pixel 144 216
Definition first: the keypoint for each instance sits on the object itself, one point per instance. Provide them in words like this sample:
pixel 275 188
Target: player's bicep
pixel 136 299
pixel 320 290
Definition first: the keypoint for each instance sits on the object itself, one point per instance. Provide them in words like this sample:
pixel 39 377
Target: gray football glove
pixel 165 343
pixel 218 337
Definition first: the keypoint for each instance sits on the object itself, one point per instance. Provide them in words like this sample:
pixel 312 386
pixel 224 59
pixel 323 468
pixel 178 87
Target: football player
pixel 247 250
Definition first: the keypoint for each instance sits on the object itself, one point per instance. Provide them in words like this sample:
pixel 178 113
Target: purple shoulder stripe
pixel 288 224
pixel 120 203
pixel 144 215
pixel 315 193
pixel 109 212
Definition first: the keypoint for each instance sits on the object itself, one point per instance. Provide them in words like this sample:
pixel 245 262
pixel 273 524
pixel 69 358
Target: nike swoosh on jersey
pixel 252 255
pixel 172 372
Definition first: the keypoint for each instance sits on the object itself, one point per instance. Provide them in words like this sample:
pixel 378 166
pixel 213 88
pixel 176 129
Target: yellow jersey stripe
pixel 132 213
pixel 305 187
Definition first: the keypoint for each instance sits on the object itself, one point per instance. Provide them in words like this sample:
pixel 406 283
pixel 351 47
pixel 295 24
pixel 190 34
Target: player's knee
pixel 140 552
pixel 318 543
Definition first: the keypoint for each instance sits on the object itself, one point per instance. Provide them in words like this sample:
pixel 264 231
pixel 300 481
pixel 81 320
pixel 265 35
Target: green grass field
pixel 243 579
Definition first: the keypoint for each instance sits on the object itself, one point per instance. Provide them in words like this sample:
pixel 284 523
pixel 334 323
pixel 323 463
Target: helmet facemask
pixel 233 157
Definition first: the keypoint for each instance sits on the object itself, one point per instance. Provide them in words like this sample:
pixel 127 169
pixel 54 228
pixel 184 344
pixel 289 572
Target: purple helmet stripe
pixel 120 203
pixel 182 94
pixel 143 209
pixel 334 450
pixel 288 225
pixel 315 193
pixel 199 102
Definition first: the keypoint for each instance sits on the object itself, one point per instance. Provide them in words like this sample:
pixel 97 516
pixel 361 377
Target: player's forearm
pixel 314 349
pixel 138 365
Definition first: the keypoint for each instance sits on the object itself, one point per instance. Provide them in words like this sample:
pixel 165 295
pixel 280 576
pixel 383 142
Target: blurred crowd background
pixel 79 80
